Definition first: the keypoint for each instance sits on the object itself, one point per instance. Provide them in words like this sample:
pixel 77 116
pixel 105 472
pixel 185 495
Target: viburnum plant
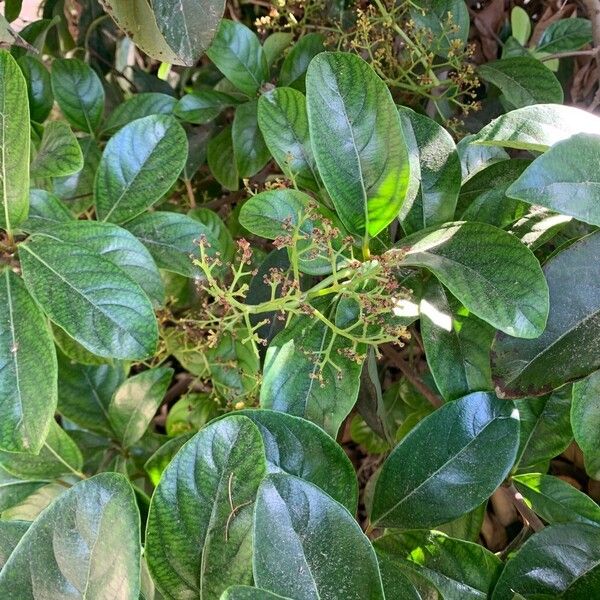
pixel 173 386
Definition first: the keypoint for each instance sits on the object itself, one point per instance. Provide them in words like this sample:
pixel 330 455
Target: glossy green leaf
pixel 59 153
pixel 172 240
pixel 138 106
pixel 283 121
pixel 27 369
pixel 45 210
pixel 435 172
pixel 555 500
pixel 560 561
pixel 423 485
pixel 92 300
pixel 457 346
pixel 203 106
pixel 199 534
pixel 458 569
pixel 237 53
pixel 14 490
pixel 294 381
pixel 14 145
pixel 85 545
pixel 118 246
pixel 568 347
pixel 136 401
pixel 294 67
pixel 74 350
pixel 501 282
pixel 476 157
pixel 564 180
pixel 249 149
pixel 78 92
pixel 298 447
pixel 244 592
pixel 138 167
pixel 59 456
pixel 188 28
pixel 468 526
pixel 545 428
pixel 276 44
pixel 565 35
pixel 357 141
pixel 39 88
pixel 219 154
pixel 523 81
pixel 307 546
pixel 11 533
pixel 85 391
pixel 585 419
pixel 537 127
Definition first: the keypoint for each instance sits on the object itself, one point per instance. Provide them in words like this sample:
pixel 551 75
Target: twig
pixel 593 9
pixel 529 517
pixel 590 52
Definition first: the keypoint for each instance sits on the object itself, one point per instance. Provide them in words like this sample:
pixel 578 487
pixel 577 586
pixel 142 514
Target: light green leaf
pixel 92 300
pixel 565 35
pixel 568 347
pixel 78 92
pixel 537 127
pixel 138 106
pixel 203 106
pixel 84 545
pixel 45 210
pixel 458 569
pixel 28 369
pixel 283 121
pixel 59 153
pixel 244 592
pixel 523 80
pixel 295 64
pixel 423 485
pixel 135 403
pixel 221 161
pixel 275 45
pixel 560 561
pixel 435 172
pixel 138 167
pixel 502 282
pixel 520 24
pixel 357 141
pixel 585 419
pixel 564 179
pixel 199 535
pixel 39 88
pixel 300 530
pixel 555 500
pixel 249 149
pixel 237 53
pixel 14 145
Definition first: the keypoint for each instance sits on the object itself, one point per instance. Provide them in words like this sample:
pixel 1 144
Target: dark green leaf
pixel 523 80
pixel 138 167
pixel 78 92
pixel 537 127
pixel 435 172
pixel 308 546
pixel 92 300
pixel 476 157
pixel 86 544
pixel 11 533
pixel 585 419
pixel 191 412
pixel 137 107
pixel 249 149
pixel 160 460
pixel 219 154
pixel 357 141
pixel 545 428
pixel 199 535
pixel 39 88
pixel 283 121
pixel 568 348
pixel 458 569
pixel 59 153
pixel 275 45
pixel 293 69
pixel 493 274
pixel 237 53
pixel 298 447
pixel 423 485
pixel 14 490
pixel 538 226
pixel 12 9
pixel 244 592
pixel 555 500
pixel 565 35
pixel 27 369
pixel 14 144
pixel 560 561
pixel 457 346
pixel 203 106
pixel 135 403
pixel 45 210
pixel 84 393
pixel 211 220
pixel 564 179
